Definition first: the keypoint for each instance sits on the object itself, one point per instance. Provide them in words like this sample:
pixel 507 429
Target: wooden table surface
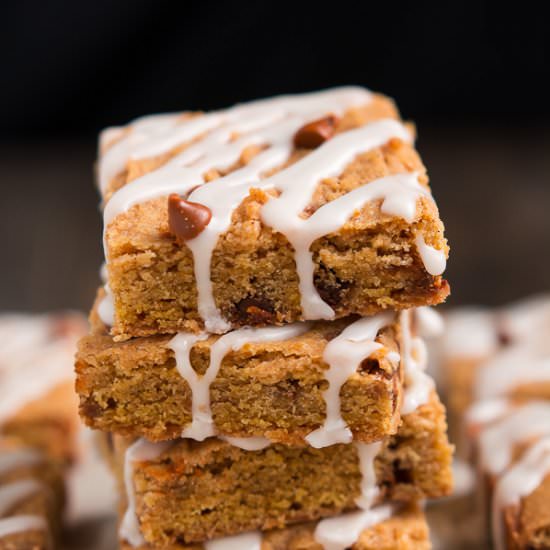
pixel 492 186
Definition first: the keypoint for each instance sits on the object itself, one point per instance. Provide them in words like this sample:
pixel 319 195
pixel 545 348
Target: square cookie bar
pixel 305 207
pixel 321 382
pixel 186 492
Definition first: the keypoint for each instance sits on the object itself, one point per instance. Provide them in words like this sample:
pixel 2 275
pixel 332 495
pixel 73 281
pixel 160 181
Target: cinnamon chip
pixel 187 219
pixel 315 133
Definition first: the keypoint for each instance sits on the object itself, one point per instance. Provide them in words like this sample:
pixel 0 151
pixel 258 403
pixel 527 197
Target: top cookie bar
pixel 313 206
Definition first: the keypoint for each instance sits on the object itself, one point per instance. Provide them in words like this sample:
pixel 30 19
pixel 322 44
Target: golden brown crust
pixel 195 491
pixel 371 264
pixel 270 389
pixel 406 530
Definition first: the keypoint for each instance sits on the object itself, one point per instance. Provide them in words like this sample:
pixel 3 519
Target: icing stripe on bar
pixel 344 354
pixel 202 425
pixel 15 492
pixel 341 532
pixel 141 450
pixel 496 441
pixel 418 385
pixel 20 524
pixel 18 458
pixel 519 481
pixel 156 134
pixel 244 541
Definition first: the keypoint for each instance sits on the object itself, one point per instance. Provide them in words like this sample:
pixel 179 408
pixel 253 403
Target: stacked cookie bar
pixel 497 367
pixel 255 351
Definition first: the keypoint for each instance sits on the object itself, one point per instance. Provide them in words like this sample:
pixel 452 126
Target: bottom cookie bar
pixel 185 492
pixel 382 528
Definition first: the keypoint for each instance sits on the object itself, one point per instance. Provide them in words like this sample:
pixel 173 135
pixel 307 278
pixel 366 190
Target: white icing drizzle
pixel 341 532
pixel 463 477
pixel 270 122
pixel 139 451
pixel 247 443
pixel 106 307
pixel 470 332
pixel 369 489
pixel 418 385
pixel 244 541
pixel 343 355
pixel 284 213
pixel 429 323
pixel 496 441
pixel 527 321
pixel 509 369
pixel 35 356
pixel 10 459
pixel 434 260
pixel 202 425
pixel 13 493
pixel 153 135
pixel 485 412
pixel 519 481
pixel 113 161
pixel 20 524
pixel 103 274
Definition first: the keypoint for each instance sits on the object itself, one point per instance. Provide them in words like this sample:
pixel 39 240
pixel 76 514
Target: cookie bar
pixel 521 498
pixel 276 383
pixel 385 528
pixel 304 207
pixel 501 354
pixel 31 498
pixel 512 444
pixel 185 491
pixel 37 401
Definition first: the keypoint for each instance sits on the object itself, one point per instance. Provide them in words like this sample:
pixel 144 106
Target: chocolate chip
pixel 315 133
pixel 255 311
pixel 372 366
pixel 331 288
pixel 401 474
pixel 90 408
pixel 187 219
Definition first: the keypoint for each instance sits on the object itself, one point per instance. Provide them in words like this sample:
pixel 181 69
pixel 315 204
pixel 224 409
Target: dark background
pixel 472 75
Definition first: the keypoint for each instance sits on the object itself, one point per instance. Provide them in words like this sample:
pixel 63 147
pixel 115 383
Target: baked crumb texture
pixel 266 389
pixel 31 498
pixel 369 262
pixel 195 491
pixel 252 352
pixel 406 530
